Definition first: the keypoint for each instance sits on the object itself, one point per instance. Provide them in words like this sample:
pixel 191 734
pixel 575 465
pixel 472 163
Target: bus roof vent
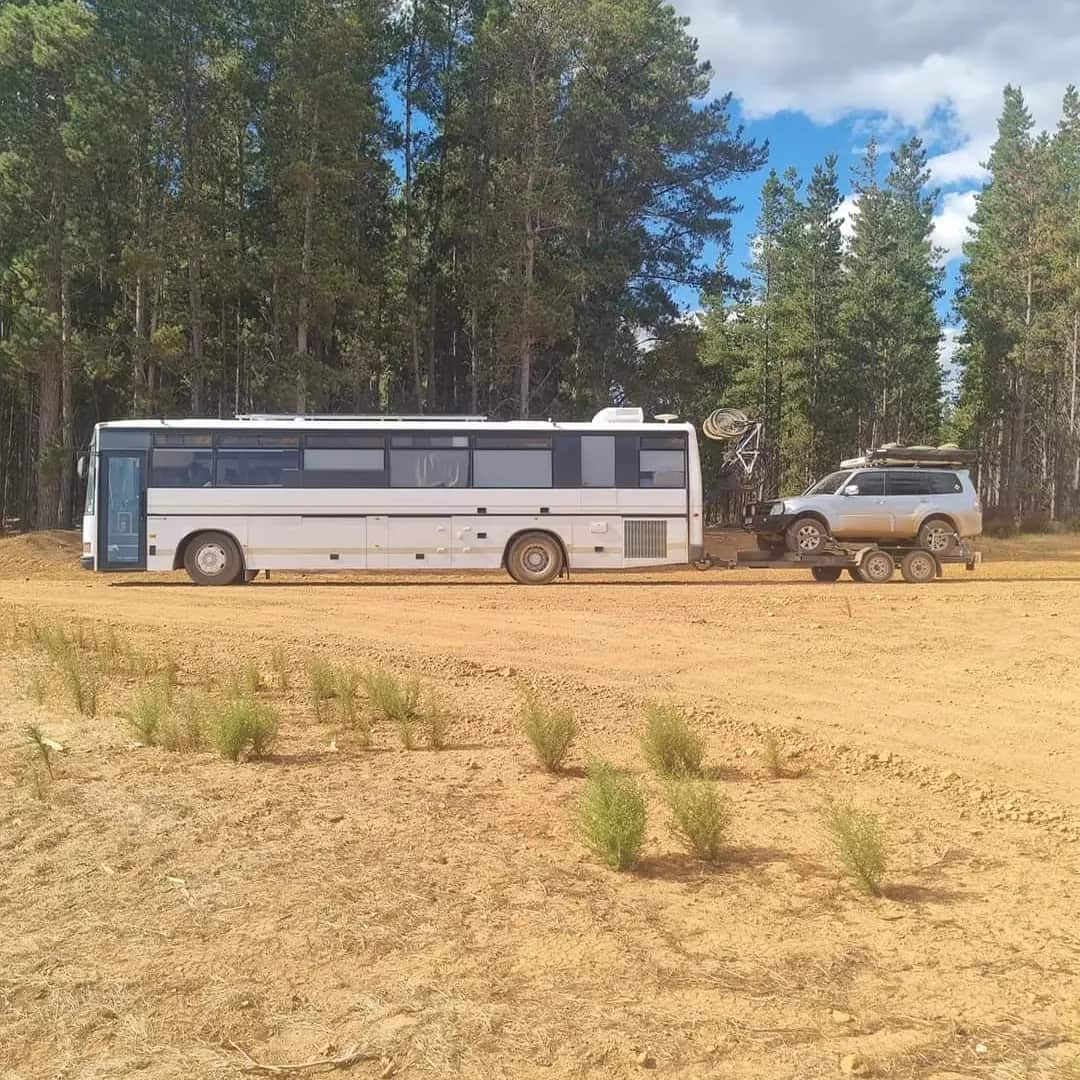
pixel 619 415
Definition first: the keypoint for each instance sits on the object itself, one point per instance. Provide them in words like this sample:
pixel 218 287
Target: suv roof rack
pixel 942 457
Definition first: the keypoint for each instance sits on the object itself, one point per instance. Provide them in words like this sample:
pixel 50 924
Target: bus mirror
pixel 80 466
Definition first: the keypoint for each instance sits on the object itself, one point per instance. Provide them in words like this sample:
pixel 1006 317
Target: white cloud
pixel 950 342
pixel 845 214
pixel 951 223
pixel 933 66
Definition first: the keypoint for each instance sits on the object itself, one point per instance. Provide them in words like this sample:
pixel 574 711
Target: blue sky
pixel 820 77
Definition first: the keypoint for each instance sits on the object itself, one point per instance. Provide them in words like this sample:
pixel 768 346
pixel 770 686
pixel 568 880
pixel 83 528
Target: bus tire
pixel 212 558
pixel 534 558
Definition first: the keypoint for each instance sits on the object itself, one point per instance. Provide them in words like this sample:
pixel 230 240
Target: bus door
pixel 122 510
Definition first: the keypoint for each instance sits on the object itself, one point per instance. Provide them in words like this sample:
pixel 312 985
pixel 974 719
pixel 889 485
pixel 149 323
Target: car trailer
pixel 874 563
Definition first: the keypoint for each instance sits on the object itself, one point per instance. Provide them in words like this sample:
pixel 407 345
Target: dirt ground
pixel 168 915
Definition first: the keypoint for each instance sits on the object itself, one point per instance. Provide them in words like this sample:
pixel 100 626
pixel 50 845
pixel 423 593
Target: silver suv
pixel 933 507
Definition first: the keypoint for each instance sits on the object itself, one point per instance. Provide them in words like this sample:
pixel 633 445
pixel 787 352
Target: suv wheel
pixel 806 536
pixel 938 536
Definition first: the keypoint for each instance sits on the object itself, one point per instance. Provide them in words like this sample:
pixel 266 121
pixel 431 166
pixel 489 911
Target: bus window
pixel 254 468
pixel 429 461
pixel 598 461
pixel 512 462
pixel 175 468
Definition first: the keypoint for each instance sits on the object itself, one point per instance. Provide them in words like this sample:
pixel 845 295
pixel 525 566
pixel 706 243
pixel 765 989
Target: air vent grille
pixel 645 539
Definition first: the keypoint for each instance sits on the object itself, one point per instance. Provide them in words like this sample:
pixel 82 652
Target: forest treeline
pixel 495 206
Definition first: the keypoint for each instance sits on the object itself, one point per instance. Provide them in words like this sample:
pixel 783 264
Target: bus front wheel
pixel 213 558
pixel 534 558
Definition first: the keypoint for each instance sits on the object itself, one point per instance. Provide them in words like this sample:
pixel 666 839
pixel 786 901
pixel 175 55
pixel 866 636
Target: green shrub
pixel 859 843
pixel 348 683
pixel 242 727
pixel 322 680
pixel 551 730
pixel 700 817
pixel 180 730
pixel 149 710
pixel 612 816
pixel 394 701
pixel 669 743
pixel 81 679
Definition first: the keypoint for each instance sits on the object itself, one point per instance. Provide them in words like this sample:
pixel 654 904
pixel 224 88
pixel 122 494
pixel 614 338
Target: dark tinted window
pixel 254 468
pixel 598 461
pixel 661 468
pixel 915 482
pixel 180 468
pixel 257 440
pixel 432 442
pixel 429 468
pixel 512 469
pixel 868 483
pixel 944 483
pixel 181 438
pixel 336 459
pixel 513 442
pixel 345 442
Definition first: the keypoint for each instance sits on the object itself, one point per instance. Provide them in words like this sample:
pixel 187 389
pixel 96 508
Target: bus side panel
pixel 306 543
pixel 480 541
pixel 598 543
pixel 165 534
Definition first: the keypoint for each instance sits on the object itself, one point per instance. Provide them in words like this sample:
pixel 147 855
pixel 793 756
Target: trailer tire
pixel 806 536
pixel 918 567
pixel 855 574
pixel 212 558
pixel 877 567
pixel 825 573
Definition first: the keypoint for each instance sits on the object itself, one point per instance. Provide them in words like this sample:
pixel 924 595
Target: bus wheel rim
pixel 535 559
pixel 211 559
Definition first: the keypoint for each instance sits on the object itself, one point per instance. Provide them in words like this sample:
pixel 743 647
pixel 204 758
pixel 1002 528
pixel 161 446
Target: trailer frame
pixel 841 557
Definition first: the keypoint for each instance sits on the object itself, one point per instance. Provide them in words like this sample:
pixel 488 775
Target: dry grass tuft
pixel 435 721
pixel 394 701
pixel 669 743
pixel 279 664
pixel 611 816
pixel 180 730
pixel 859 842
pixel 773 757
pixel 550 730
pixel 322 684
pixel 243 728
pixel 700 817
pixel 149 711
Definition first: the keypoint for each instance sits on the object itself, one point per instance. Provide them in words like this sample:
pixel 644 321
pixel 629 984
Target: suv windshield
pixel 830 485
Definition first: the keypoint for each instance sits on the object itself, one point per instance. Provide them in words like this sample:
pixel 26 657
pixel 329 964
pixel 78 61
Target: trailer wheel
pixel 825 573
pixel 918 567
pixel 855 574
pixel 877 567
pixel 806 536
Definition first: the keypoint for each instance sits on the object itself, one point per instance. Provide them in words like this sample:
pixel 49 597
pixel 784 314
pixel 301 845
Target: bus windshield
pixel 830 485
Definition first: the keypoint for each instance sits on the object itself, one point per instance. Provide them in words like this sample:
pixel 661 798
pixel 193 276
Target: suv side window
pixel 868 483
pixel 945 483
pixel 915 482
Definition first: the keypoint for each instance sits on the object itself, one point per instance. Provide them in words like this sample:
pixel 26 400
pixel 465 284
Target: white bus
pixel 225 499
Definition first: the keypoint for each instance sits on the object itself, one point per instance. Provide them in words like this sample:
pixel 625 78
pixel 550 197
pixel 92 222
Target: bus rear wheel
pixel 212 558
pixel 534 558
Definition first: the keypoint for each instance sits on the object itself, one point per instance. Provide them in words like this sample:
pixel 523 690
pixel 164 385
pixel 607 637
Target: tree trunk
pixel 304 304
pixel 50 378
pixel 67 406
